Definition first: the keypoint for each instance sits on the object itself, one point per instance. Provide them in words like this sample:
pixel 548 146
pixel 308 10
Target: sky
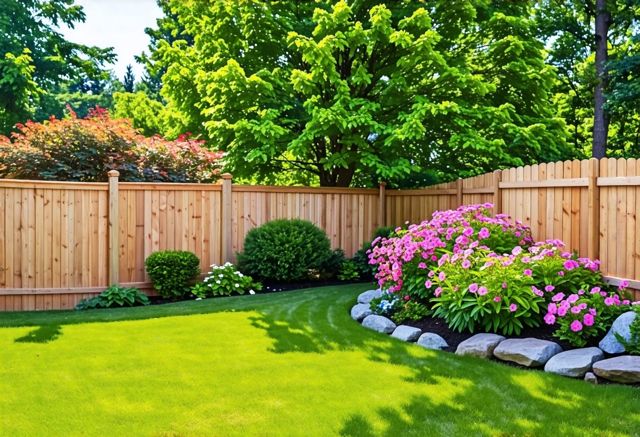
pixel 119 24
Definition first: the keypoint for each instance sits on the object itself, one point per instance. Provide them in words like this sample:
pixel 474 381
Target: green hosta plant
pixel 115 296
pixel 225 280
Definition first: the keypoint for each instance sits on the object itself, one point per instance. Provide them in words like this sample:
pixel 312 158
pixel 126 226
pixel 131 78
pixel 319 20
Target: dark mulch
pixel 454 338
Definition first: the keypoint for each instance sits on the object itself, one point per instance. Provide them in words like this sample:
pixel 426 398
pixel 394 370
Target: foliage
pixel 398 309
pixel 115 296
pixel 172 272
pixel 128 82
pixel 333 265
pixel 351 91
pixel 37 62
pixel 146 115
pixel 86 149
pixel 225 280
pixel 348 271
pixel 633 344
pixel 284 251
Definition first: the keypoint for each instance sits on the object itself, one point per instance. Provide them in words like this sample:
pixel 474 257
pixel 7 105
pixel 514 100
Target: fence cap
pixel 226 176
pixel 113 173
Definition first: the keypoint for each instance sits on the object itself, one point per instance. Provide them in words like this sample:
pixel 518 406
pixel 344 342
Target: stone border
pixel 588 363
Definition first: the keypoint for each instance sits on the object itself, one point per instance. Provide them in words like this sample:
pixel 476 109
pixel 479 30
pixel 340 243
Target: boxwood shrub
pixel 285 251
pixel 172 272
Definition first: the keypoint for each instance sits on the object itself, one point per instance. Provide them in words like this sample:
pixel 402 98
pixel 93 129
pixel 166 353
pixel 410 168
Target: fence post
pixel 593 221
pixel 382 209
pixel 227 222
pixel 497 196
pixel 114 231
pixel 459 192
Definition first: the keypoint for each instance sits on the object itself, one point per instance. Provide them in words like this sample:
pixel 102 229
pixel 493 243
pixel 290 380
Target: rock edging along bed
pixel 589 363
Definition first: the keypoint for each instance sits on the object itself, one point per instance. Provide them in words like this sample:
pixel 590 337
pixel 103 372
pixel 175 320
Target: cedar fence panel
pixel 61 242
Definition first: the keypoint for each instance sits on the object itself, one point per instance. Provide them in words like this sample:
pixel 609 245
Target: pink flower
pixel 558 297
pixel 466 264
pixel 504 285
pixel 573 298
pixel 609 301
pixel 513 307
pixel 438 292
pixel 575 310
pixel 516 250
pixel 482 291
pixel 428 284
pixel 588 320
pixel 570 264
pixel 552 308
pixel 562 311
pixel 527 272
pixel 497 299
pixel 442 276
pixel 473 288
pixel 537 291
pixel 576 326
pixel 549 288
pixel 422 266
pixel 407 298
pixel 484 234
pixel 561 273
pixel 549 319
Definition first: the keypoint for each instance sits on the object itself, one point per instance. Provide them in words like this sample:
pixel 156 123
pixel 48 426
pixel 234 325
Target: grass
pixel 273 365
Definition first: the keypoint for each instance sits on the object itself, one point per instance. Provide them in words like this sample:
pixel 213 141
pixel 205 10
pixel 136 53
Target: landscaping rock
pixel 529 352
pixel 368 296
pixel 430 340
pixel 360 311
pixel 590 377
pixel 574 363
pixel 406 333
pixel 624 369
pixel 480 345
pixel 621 326
pixel 379 324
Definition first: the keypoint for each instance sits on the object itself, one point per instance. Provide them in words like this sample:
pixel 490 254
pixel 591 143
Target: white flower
pixel 206 279
pixel 252 292
pixel 218 282
pixel 221 276
pixel 237 285
pixel 198 298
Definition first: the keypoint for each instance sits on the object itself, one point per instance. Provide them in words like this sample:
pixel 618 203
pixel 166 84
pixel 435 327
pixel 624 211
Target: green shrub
pixel 172 272
pixel 348 271
pixel 224 281
pixel 633 344
pixel 398 309
pixel 285 250
pixel 115 296
pixel 333 264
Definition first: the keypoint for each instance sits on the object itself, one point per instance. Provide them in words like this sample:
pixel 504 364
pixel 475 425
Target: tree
pixel 129 79
pixel 600 116
pixel 343 89
pixel 31 43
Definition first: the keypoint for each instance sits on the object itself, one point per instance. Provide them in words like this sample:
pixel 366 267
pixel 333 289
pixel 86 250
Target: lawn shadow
pixel 42 334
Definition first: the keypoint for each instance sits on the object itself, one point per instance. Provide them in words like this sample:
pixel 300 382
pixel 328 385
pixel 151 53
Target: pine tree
pixel 129 79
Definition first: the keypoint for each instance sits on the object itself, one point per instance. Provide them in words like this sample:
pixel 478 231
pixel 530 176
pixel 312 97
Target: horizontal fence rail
pixel 61 242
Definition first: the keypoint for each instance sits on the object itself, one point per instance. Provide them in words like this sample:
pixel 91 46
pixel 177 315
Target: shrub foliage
pixel 285 251
pixel 113 297
pixel 172 272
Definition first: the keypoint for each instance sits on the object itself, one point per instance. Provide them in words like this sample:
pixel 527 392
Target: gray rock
pixel 379 324
pixel 368 296
pixel 529 352
pixel 406 333
pixel 625 368
pixel 574 363
pixel 621 326
pixel 430 340
pixel 360 311
pixel 591 378
pixel 480 345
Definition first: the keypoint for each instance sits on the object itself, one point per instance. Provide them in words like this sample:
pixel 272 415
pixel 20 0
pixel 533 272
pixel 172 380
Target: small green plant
pixel 348 271
pixel 173 272
pixel 285 251
pixel 113 297
pixel 397 308
pixel 225 280
pixel 633 344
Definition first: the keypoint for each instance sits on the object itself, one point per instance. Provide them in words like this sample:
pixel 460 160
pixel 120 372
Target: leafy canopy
pixel 361 91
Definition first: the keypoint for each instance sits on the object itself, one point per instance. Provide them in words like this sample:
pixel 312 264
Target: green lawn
pixel 281 364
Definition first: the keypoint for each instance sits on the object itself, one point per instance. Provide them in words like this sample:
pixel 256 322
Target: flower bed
pixel 484 273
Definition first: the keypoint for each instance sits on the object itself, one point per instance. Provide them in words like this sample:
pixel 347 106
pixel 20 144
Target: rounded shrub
pixel 172 272
pixel 284 251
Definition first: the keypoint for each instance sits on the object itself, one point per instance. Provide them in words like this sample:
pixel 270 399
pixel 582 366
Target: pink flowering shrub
pixel 404 260
pixel 479 272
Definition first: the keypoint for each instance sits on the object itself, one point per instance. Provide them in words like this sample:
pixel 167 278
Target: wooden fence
pixel 63 241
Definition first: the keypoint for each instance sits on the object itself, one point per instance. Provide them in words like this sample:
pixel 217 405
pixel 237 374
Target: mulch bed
pixel 454 338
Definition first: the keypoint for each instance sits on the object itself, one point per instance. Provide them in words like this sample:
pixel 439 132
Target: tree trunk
pixel 337 177
pixel 600 116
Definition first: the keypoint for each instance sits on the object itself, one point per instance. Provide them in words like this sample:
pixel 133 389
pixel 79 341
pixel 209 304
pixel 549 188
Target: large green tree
pixel 36 61
pixel 362 89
